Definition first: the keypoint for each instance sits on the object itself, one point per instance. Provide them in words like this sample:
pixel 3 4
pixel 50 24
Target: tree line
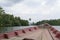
pixel 7 20
pixel 51 22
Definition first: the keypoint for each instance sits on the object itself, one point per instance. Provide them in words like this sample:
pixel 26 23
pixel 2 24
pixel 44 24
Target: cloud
pixel 51 2
pixel 32 3
pixel 9 2
pixel 34 9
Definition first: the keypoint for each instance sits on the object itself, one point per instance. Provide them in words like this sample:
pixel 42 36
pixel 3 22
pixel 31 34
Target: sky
pixel 37 10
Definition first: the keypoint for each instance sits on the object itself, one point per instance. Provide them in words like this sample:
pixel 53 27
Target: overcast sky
pixel 34 9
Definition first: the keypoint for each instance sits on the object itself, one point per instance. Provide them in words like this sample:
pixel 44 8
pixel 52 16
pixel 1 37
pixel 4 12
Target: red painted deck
pixel 33 33
pixel 41 34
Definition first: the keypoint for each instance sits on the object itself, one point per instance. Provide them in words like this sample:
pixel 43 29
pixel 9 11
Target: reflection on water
pixel 57 27
pixel 5 29
pixel 9 29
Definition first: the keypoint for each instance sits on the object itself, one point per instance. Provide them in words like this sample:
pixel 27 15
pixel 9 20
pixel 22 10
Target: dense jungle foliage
pixel 7 20
pixel 51 22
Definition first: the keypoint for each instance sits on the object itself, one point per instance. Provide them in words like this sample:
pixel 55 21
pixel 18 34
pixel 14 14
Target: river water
pixel 9 29
pixel 57 27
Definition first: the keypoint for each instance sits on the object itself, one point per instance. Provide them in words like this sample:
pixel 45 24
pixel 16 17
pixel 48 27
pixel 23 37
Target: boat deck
pixel 41 34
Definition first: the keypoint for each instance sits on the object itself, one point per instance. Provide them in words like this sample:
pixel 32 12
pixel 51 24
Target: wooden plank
pixel 41 34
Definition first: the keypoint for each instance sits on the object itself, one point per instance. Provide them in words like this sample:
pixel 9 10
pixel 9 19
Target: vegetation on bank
pixel 51 22
pixel 7 20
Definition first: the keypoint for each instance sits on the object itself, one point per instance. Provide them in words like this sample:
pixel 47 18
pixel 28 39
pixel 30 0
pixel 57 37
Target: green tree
pixel 7 20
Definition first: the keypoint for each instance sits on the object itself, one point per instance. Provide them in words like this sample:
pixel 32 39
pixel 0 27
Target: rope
pixel 50 35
